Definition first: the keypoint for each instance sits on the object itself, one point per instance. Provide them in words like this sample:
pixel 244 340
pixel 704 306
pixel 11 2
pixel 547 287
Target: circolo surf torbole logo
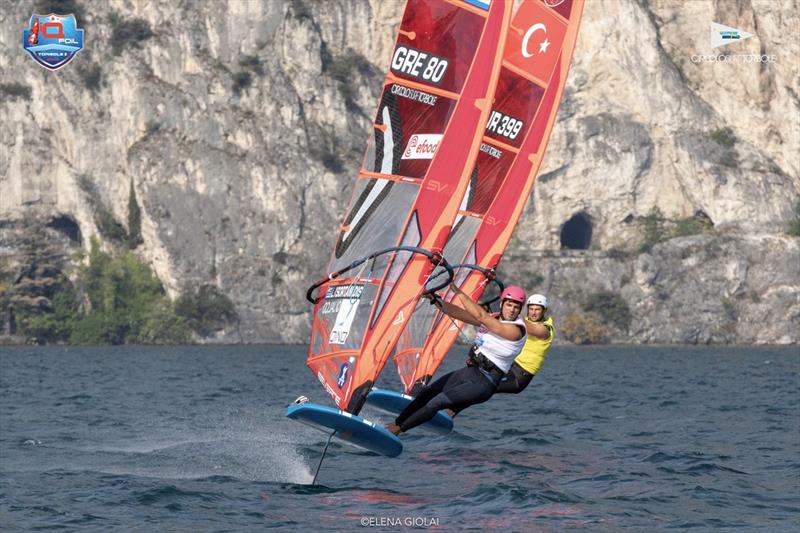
pixel 52 40
pixel 722 35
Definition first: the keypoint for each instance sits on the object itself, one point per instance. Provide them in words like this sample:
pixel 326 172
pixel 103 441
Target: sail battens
pixel 392 79
pixel 366 174
pixel 523 74
pixel 501 144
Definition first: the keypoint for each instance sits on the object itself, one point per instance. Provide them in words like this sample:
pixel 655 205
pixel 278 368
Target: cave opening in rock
pixel 66 225
pixel 576 233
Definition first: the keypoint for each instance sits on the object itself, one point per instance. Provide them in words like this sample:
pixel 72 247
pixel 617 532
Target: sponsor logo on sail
pixel 553 3
pixel 52 40
pixel 422 146
pixel 417 64
pixel 340 381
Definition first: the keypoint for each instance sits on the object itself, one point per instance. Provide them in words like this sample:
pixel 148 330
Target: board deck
pixel 394 402
pixel 348 427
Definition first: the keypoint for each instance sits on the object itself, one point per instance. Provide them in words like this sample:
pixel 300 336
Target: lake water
pixel 195 439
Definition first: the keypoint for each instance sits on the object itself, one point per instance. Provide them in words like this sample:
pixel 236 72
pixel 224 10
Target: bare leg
pixel 393 428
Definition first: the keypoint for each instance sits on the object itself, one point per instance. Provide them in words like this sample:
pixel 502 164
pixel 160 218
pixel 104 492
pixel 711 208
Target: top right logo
pixel 722 35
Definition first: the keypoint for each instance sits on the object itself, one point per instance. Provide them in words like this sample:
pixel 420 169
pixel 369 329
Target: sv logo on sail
pixel 420 65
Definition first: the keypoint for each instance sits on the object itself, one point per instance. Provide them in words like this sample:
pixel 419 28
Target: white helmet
pixel 537 299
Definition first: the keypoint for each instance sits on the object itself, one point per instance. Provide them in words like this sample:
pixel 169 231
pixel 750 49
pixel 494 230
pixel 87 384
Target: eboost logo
pixel 52 40
pixel 722 35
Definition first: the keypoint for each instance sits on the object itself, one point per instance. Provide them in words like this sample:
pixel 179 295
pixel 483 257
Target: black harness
pixel 485 364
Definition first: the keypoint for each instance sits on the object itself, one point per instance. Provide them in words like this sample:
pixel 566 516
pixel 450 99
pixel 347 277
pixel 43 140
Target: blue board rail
pixel 347 427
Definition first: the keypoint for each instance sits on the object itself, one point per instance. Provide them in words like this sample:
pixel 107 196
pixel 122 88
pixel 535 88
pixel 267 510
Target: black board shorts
pixel 515 381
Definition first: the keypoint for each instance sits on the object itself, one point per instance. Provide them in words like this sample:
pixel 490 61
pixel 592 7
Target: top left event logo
pixel 52 40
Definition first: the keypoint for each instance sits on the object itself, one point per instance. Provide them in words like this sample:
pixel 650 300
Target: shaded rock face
pixel 35 265
pixel 239 128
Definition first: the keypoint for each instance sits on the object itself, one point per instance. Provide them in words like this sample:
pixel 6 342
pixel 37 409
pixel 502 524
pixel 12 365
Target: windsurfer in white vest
pixel 499 340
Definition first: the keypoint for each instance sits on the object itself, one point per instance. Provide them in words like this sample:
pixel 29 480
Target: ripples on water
pixel 194 438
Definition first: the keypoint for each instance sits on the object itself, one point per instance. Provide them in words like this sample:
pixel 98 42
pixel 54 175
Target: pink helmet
pixel 513 293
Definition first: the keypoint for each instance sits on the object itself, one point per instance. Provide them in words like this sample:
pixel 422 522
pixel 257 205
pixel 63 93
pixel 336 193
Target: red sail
pixel 427 133
pixel 536 61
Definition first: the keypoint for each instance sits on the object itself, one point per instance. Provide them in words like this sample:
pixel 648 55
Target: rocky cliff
pixel 235 130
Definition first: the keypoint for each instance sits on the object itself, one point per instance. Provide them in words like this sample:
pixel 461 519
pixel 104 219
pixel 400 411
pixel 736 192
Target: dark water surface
pixel 195 439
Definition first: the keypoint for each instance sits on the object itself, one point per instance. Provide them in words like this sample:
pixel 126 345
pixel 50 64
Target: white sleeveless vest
pixel 498 350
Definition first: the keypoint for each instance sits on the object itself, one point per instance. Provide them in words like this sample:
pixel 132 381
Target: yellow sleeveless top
pixel 535 350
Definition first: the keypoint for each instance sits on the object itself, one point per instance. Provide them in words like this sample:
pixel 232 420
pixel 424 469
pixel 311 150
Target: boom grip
pixel 489 273
pixel 435 257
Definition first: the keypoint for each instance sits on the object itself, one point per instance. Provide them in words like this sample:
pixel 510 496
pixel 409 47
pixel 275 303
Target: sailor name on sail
pixel 505 125
pixel 418 64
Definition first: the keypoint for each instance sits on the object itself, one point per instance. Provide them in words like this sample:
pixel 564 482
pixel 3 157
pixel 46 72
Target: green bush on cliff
pixel 123 303
pixel 611 307
pixel 657 228
pixel 653 230
pixel 345 69
pixel 134 220
pixel 206 310
pixel 583 329
pixel 128 32
pixel 724 137
pixel 55 326
pixel 128 304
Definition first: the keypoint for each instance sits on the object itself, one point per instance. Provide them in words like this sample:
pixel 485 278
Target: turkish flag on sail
pixel 534 40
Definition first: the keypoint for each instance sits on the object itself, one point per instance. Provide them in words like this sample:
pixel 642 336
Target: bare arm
pixel 537 329
pixel 507 331
pixel 455 311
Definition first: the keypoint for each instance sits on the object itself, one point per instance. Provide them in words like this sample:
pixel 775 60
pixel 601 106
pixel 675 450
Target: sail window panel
pixel 400 260
pixel 492 166
pixel 409 126
pixel 437 44
pixel 515 105
pixel 316 340
pixel 375 221
pixel 460 238
pixel 422 320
